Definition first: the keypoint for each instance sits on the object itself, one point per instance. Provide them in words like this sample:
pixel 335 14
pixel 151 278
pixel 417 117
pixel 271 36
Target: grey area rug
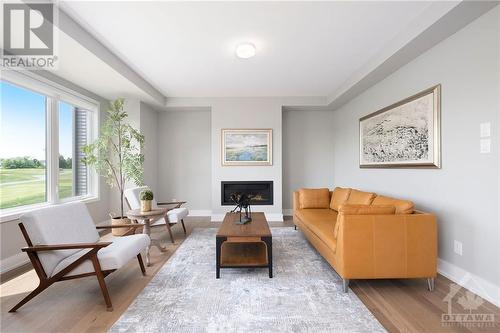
pixel 305 294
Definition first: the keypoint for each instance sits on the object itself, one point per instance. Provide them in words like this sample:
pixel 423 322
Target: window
pixel 42 130
pixel 23 177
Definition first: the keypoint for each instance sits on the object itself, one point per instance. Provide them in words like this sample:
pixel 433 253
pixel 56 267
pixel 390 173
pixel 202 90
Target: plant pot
pixel 118 221
pixel 146 205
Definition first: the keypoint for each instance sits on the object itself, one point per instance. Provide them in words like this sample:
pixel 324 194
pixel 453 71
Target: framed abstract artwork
pixel 247 147
pixel 404 134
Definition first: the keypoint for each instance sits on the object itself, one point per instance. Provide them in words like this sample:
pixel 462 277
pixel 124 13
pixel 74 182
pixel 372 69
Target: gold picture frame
pixel 406 134
pixel 245 147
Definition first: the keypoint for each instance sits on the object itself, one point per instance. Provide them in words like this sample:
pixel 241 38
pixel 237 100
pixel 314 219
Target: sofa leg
pixel 430 284
pixel 345 285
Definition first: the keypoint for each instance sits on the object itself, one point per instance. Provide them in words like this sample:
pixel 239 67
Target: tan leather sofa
pixel 366 236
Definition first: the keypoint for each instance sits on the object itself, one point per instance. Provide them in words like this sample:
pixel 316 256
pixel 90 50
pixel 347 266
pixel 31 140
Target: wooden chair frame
pixel 45 281
pixel 168 224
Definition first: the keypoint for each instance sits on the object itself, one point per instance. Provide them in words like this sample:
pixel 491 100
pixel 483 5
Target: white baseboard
pixel 287 212
pixel 13 262
pixel 472 282
pixel 217 217
pixel 200 212
pixel 274 217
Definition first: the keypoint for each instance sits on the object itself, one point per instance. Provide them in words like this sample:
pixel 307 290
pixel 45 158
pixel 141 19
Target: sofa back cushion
pixel 402 206
pixel 339 197
pixel 351 209
pixel 360 198
pixel 314 198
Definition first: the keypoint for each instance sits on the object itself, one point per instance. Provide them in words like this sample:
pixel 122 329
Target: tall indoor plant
pixel 116 154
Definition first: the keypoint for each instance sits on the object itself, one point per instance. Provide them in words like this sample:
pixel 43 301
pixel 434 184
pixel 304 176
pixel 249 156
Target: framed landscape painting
pixel 405 134
pixel 247 146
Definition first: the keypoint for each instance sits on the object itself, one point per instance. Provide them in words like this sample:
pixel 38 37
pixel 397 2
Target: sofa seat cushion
pixel 308 216
pixel 113 256
pixel 321 222
pixel 324 230
pixel 339 197
pixel 360 197
pixel 402 206
pixel 314 198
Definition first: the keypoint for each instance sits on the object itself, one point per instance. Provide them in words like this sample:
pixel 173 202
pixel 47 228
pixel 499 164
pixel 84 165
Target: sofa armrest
pixel 401 245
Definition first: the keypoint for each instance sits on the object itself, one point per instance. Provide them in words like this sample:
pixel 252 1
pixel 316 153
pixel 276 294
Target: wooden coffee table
pixel 244 245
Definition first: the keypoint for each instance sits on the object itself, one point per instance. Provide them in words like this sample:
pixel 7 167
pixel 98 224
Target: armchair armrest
pixel 39 248
pixel 177 204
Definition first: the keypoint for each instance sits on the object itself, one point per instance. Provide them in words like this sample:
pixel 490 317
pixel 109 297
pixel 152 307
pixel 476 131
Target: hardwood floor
pixel 407 306
pixel 400 305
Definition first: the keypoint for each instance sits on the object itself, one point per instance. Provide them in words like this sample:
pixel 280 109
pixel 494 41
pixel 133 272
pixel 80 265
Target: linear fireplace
pixel 261 191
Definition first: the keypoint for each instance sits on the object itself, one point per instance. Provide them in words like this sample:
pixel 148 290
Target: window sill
pixel 13 214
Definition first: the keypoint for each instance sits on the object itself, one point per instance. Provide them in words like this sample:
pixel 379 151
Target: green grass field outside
pixel 19 187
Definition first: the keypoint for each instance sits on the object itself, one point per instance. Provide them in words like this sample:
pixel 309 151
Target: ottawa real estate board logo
pixel 464 307
pixel 29 36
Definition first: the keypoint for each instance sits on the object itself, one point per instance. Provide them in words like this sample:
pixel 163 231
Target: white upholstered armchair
pixel 63 244
pixel 175 215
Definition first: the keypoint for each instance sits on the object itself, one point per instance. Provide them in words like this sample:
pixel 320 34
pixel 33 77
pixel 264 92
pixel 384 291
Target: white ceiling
pixel 187 49
pixel 78 65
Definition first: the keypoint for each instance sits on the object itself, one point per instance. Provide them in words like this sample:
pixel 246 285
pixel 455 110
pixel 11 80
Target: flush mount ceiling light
pixel 245 50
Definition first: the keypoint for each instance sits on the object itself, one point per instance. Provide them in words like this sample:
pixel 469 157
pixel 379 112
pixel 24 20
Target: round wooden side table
pixel 148 218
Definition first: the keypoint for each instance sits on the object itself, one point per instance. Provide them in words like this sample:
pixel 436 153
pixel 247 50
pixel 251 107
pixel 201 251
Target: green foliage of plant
pixel 146 195
pixel 116 154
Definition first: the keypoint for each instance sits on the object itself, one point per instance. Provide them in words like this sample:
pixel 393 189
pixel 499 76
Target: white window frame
pixel 54 93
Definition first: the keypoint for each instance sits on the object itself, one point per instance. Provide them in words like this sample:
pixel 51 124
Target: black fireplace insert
pixel 261 191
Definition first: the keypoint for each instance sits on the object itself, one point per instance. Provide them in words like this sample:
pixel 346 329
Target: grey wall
pixel 464 194
pixel 246 113
pixel 149 128
pixel 307 151
pixel 184 157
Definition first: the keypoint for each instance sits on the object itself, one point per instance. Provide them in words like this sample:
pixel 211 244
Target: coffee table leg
pixel 269 245
pixel 218 246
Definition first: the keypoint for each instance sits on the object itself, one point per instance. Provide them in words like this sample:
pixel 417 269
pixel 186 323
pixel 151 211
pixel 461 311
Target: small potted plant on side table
pixel 146 197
